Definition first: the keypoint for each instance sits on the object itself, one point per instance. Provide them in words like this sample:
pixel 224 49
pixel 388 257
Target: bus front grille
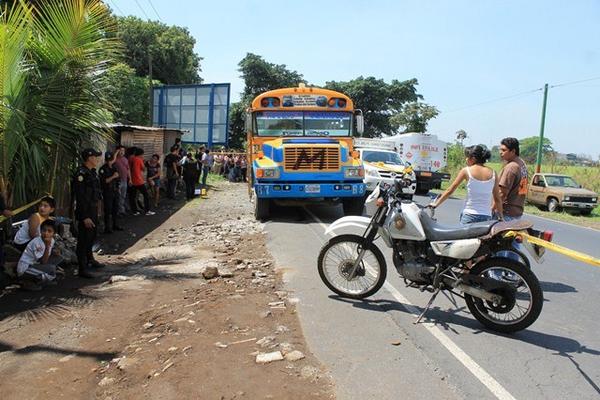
pixel 311 158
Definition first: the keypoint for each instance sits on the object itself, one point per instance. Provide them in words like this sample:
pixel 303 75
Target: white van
pixel 381 163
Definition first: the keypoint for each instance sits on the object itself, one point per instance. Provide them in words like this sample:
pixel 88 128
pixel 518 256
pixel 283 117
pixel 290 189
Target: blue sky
pixel 462 52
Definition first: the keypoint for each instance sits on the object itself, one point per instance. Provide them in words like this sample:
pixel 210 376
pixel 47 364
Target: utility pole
pixel 538 162
pixel 150 90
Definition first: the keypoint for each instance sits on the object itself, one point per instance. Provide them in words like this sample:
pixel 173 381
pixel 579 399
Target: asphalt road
pixel 450 355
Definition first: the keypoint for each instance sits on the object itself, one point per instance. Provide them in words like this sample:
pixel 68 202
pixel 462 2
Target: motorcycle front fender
pixel 348 225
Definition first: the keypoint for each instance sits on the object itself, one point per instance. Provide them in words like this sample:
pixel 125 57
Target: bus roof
pixel 303 98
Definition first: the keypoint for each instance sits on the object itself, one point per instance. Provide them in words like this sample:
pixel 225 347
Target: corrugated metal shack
pixel 152 140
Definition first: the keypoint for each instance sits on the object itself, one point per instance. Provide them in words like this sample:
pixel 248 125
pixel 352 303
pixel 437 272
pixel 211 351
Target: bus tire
pixel 261 208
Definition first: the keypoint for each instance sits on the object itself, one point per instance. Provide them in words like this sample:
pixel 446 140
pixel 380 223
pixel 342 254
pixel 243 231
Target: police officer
pixel 87 193
pixel 109 182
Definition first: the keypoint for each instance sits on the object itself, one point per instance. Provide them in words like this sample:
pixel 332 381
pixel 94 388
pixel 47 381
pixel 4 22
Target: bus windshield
pixel 303 123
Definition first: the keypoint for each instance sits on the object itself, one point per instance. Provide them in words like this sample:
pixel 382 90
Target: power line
pixel 141 8
pixel 574 82
pixel 114 4
pixel 155 12
pixel 521 94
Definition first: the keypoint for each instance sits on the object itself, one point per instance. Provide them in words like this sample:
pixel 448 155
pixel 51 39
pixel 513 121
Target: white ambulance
pixel 426 154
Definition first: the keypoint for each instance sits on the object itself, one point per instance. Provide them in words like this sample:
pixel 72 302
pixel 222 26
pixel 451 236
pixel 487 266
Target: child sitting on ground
pixel 31 228
pixel 37 265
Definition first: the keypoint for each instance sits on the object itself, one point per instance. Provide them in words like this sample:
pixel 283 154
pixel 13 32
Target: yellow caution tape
pixel 21 209
pixel 557 248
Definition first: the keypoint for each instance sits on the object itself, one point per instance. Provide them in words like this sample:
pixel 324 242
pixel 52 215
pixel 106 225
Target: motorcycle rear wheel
pixel 527 290
pixel 336 260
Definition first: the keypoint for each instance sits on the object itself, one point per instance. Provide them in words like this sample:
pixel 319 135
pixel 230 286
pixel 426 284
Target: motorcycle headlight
pixel 399 221
pixel 354 172
pixel 372 172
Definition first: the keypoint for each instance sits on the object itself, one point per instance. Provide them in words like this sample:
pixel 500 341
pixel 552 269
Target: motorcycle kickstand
pixel 451 299
pixel 429 303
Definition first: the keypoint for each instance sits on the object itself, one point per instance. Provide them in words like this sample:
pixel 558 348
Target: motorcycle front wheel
pixel 522 297
pixel 336 262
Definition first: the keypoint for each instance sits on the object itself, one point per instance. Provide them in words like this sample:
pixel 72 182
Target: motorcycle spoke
pixel 522 300
pixel 339 262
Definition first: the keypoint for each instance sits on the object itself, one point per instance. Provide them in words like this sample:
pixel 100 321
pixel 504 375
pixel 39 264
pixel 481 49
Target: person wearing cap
pixel 87 193
pixel 110 183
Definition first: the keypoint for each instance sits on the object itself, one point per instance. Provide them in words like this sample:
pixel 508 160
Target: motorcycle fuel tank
pixel 406 224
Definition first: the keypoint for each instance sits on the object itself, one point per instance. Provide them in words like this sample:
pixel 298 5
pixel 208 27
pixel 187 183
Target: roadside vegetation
pixel 67 69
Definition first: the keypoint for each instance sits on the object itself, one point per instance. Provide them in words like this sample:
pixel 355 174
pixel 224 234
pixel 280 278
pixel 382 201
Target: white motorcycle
pixel 503 294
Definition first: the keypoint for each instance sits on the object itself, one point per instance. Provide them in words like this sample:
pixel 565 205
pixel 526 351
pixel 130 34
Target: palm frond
pixel 70 44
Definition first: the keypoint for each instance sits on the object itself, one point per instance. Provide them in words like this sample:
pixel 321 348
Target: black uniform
pixel 87 193
pixel 110 196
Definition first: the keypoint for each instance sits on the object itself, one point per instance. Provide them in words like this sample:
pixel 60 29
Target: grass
pixel 215 178
pixel 592 221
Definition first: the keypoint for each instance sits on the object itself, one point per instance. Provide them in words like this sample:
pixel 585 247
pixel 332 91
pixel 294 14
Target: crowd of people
pixel 126 183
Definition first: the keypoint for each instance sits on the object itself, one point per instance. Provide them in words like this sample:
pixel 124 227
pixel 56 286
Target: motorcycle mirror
pixel 374 195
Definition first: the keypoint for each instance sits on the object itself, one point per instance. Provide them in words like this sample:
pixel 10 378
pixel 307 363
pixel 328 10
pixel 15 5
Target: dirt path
pixel 156 328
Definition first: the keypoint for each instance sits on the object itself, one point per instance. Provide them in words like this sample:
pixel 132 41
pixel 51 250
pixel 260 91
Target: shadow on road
pixel 562 346
pixel 73 292
pixel 100 356
pixel 298 214
pixel 557 287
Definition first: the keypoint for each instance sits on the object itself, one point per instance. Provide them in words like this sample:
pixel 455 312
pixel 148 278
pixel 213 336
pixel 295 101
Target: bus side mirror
pixel 248 122
pixel 360 124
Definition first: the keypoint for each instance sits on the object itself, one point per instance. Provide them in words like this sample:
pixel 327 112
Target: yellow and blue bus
pixel 300 147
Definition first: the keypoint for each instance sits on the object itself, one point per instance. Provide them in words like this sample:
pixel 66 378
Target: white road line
pixel 486 379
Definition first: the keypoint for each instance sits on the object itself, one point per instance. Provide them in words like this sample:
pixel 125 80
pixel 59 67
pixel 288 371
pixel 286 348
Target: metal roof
pixel 121 127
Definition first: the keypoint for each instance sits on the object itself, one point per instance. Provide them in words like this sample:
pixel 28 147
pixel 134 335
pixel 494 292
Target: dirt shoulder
pixel 155 327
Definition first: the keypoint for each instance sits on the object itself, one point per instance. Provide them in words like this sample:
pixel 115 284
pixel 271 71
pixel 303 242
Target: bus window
pixel 299 123
pixel 279 123
pixel 327 123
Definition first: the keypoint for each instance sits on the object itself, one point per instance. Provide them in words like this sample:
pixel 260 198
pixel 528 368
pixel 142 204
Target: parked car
pixel 382 163
pixel 554 192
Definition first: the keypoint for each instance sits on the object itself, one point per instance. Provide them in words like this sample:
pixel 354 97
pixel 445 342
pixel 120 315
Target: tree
pixel 169 48
pixel 456 156
pixel 495 154
pixel 259 76
pixel 129 95
pixel 378 100
pixel 528 148
pixel 414 117
pixel 53 91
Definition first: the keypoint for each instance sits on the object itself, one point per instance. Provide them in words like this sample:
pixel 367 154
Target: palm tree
pixel 61 104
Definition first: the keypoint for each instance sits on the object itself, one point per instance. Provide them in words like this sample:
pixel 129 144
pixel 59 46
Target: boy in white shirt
pixel 37 263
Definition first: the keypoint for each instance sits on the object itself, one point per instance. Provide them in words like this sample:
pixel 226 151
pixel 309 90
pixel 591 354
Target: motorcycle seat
pixel 439 232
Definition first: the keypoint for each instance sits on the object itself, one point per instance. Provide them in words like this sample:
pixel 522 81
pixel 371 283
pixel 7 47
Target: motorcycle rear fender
pixel 351 224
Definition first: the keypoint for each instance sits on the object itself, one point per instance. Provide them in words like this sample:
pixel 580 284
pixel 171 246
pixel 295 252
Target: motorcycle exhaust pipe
pixel 479 293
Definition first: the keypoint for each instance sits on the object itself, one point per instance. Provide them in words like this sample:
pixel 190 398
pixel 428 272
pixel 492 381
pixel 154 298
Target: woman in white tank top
pixel 483 194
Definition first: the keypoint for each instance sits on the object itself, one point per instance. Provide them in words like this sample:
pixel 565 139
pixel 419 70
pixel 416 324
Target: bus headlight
pixel 354 172
pixel 269 173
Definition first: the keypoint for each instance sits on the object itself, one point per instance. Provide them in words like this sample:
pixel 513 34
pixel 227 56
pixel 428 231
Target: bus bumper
pixel 309 190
